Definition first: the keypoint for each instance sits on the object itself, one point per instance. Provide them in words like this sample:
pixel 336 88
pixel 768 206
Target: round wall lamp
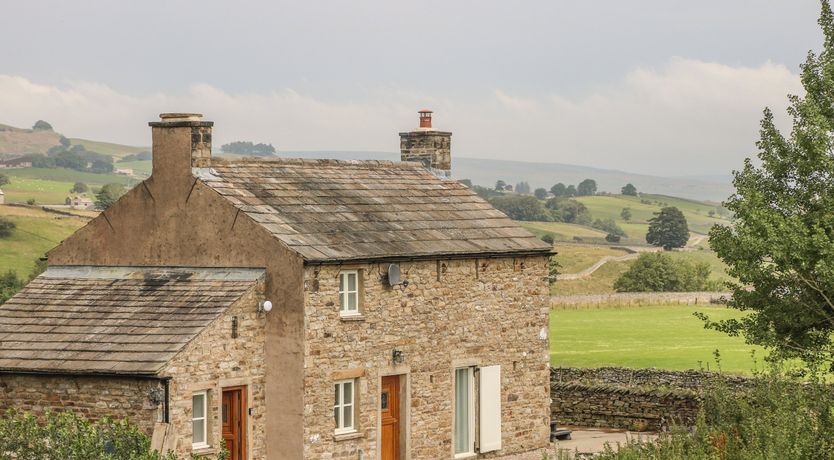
pixel 264 306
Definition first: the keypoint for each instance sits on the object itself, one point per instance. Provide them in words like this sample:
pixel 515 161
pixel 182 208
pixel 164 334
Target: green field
pixel 52 185
pixel 574 258
pixel 107 148
pixel 666 337
pixel 564 232
pixel 37 232
pixel 609 206
pixel 140 167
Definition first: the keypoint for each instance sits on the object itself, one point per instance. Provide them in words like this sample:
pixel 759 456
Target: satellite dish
pixel 393 274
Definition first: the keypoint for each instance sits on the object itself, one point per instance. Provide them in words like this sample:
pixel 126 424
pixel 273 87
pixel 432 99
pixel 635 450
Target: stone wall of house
pixel 91 397
pixel 452 313
pixel 634 399
pixel 216 360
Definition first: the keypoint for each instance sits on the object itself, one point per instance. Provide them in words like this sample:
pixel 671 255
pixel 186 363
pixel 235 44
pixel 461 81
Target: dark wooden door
pixel 234 422
pixel 390 417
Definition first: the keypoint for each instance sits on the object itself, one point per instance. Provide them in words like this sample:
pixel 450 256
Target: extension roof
pixel 337 210
pixel 115 321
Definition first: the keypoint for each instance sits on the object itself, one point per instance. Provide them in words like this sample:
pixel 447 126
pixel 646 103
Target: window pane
pixel 348 397
pixel 348 412
pixel 351 282
pixel 342 282
pixel 462 442
pixel 336 416
pixel 198 406
pixel 338 401
pixel 198 436
pixel 351 301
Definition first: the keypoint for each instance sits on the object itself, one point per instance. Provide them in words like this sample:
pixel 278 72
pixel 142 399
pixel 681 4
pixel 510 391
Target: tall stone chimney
pixel 429 146
pixel 181 141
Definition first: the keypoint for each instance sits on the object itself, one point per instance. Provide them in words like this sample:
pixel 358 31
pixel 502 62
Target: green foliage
pixel 108 195
pixel 548 238
pixel 570 191
pixel 519 207
pixel 79 187
pixel 6 227
pixel 485 193
pixel 552 270
pixel 780 246
pixel 558 189
pixel 4 179
pixel 540 193
pixel 466 182
pixel 609 226
pixel 248 148
pixel 611 238
pixel 62 436
pixel 41 125
pixel 659 272
pixel 141 156
pixel 31 202
pixel 777 418
pixel 569 211
pixel 522 187
pixel 64 141
pixel 629 189
pixel 668 229
pixel 500 185
pixel 9 285
pixel 75 157
pixel 587 187
pixel 625 214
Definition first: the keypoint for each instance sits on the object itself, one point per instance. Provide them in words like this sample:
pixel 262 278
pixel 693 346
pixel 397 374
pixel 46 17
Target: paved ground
pixel 584 443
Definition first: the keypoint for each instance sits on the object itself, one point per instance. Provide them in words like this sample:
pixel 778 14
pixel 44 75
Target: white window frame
pixel 471 421
pixel 204 418
pixel 344 310
pixel 340 407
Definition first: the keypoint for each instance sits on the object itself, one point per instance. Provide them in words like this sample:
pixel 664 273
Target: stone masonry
pixel 432 148
pixel 452 313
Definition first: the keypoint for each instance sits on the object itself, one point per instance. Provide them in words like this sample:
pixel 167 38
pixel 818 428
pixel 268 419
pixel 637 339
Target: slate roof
pixel 337 210
pixel 105 320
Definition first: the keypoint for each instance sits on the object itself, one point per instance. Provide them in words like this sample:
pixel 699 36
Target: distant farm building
pixel 79 202
pixel 124 171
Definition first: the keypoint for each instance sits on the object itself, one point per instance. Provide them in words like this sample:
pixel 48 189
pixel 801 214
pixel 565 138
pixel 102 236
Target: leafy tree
pixel 780 246
pixel 570 191
pixel 508 187
pixel 466 182
pixel 6 227
pixel 548 238
pixel 522 187
pixel 4 179
pixel 79 187
pixel 612 238
pixel 558 189
pixel 500 185
pixel 141 156
pixel 567 210
pixel 659 272
pixel 41 125
pixel 108 195
pixel 9 285
pixel 64 141
pixel 587 187
pixel 668 229
pixel 540 193
pixel 520 207
pixel 608 225
pixel 248 148
pixel 625 214
pixel 629 190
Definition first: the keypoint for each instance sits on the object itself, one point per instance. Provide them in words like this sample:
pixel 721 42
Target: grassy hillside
pixel 107 148
pixel 16 140
pixel 665 336
pixel 140 167
pixel 51 186
pixel 643 208
pixel 37 232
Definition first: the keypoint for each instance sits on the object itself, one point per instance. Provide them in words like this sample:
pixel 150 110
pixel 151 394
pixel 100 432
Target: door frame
pixel 244 410
pixel 405 410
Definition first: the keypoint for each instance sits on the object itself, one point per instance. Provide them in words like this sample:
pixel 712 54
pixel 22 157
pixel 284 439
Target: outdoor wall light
pixel 264 306
pixel 398 356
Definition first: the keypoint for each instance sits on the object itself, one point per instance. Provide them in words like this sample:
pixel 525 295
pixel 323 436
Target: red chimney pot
pixel 425 118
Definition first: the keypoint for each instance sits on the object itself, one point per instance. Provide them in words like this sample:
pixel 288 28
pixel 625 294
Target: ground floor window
pixel 344 407
pixel 199 405
pixel 464 434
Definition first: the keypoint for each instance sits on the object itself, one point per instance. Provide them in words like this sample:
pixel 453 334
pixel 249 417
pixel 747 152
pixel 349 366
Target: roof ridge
pixel 317 162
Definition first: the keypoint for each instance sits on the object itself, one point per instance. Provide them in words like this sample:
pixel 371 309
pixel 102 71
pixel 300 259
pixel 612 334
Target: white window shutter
pixel 490 404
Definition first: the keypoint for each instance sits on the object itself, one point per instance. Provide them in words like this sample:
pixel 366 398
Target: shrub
pixel 658 272
pixel 31 202
pixel 79 187
pixel 519 207
pixel 4 179
pixel 548 238
pixel 41 125
pixel 611 238
pixel 569 211
pixel 6 227
pixel 608 225
pixel 108 195
pixel 9 285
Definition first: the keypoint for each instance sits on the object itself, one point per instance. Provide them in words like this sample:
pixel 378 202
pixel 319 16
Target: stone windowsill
pixel 359 317
pixel 208 450
pixel 348 436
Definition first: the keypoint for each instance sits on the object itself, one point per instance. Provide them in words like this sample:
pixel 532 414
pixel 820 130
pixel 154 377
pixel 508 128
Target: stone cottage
pixel 293 309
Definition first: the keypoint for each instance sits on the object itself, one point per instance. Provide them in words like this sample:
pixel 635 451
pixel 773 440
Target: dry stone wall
pixel 451 313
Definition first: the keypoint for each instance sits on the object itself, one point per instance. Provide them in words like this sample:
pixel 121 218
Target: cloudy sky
pixel 668 87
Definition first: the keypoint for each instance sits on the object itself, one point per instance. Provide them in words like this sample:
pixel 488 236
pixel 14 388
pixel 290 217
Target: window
pixel 464 427
pixel 349 292
pixel 343 409
pixel 199 406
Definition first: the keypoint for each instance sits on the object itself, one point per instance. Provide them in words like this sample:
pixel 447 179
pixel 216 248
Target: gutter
pixel 411 258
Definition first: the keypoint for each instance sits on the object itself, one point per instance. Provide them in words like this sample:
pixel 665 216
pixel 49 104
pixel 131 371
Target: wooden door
pixel 233 415
pixel 390 417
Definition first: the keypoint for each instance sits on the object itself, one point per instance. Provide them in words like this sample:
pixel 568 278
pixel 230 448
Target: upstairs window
pixel 349 292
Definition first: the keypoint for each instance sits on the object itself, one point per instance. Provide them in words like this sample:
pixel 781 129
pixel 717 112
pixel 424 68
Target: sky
pixel 664 87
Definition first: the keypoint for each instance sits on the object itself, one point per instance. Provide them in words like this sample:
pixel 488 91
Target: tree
pixel 659 272
pixel 466 182
pixel 547 238
pixel 6 227
pixel 64 141
pixel 629 190
pixel 9 285
pixel 567 210
pixel 570 191
pixel 41 125
pixel 109 194
pixel 609 226
pixel 79 187
pixel 779 246
pixel 523 188
pixel 248 148
pixel 625 214
pixel 558 189
pixel 587 187
pixel 499 185
pixel 612 238
pixel 540 193
pixel 4 179
pixel 521 207
pixel 668 229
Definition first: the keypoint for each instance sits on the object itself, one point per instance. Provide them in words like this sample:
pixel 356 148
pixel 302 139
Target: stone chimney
pixel 181 141
pixel 429 146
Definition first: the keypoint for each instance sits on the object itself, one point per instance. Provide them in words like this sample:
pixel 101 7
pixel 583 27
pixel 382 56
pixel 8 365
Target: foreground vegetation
pixel 661 336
